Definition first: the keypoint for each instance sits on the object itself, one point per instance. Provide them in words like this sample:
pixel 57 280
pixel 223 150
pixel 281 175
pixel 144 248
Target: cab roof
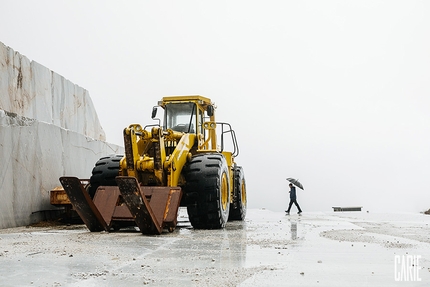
pixel 191 98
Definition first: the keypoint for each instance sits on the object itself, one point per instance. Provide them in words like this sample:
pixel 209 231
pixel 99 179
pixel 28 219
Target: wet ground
pixel 267 249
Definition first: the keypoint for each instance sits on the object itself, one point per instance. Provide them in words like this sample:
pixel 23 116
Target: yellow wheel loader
pixel 188 160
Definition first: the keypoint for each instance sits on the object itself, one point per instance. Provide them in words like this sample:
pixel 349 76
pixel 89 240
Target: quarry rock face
pixel 48 128
pixel 33 91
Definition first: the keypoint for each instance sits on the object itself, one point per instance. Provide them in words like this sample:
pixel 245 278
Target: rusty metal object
pixel 150 208
pixel 58 196
pixel 108 202
pixel 83 204
pixel 153 207
pixel 138 205
pixel 165 202
pixel 128 148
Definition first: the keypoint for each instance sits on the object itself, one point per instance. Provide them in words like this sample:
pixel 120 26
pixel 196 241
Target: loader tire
pixel 238 206
pixel 207 191
pixel 104 173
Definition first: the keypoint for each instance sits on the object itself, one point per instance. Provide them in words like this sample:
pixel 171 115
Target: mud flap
pixel 151 216
pixel 83 204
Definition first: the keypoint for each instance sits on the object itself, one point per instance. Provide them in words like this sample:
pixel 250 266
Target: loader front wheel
pixel 238 206
pixel 104 173
pixel 207 191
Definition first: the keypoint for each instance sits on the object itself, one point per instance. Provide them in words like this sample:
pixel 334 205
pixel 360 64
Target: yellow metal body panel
pixel 230 162
pixel 191 98
pixel 158 155
pixel 178 159
pixel 59 197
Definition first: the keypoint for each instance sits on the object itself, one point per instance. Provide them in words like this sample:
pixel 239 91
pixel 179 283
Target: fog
pixel 335 93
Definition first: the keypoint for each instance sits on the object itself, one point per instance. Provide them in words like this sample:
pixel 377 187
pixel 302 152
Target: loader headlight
pixel 209 125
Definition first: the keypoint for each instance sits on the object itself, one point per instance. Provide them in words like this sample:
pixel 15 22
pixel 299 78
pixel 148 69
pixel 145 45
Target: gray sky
pixel 335 93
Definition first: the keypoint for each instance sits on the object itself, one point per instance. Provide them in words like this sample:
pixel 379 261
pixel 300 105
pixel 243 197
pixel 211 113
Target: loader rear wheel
pixel 238 206
pixel 207 191
pixel 104 173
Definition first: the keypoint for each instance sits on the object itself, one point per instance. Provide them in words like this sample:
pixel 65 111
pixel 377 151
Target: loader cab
pixel 183 117
pixel 186 114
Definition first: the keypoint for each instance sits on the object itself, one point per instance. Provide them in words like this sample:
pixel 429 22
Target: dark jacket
pixel 293 193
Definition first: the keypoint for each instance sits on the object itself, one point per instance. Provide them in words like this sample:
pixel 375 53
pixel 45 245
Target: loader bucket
pixel 82 203
pixel 153 207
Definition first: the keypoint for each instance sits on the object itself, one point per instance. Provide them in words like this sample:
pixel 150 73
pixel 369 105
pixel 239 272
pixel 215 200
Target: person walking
pixel 293 199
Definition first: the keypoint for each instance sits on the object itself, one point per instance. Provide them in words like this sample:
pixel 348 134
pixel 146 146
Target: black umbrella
pixel 295 182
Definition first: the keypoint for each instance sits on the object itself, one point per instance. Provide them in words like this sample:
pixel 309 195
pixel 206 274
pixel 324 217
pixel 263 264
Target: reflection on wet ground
pixel 293 230
pixel 267 249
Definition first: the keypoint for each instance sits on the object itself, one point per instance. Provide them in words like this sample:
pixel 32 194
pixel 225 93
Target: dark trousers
pixel 293 200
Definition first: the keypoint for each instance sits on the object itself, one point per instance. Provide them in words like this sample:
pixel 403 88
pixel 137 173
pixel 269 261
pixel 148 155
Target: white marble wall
pixel 33 91
pixel 48 128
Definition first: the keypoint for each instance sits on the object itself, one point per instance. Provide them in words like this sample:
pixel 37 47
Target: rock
pixel 31 90
pixel 48 128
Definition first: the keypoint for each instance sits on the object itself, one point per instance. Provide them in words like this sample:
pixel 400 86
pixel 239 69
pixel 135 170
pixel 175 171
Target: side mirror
pixel 210 110
pixel 154 112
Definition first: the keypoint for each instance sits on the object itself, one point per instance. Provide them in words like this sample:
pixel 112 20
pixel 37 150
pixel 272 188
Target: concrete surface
pixel 267 249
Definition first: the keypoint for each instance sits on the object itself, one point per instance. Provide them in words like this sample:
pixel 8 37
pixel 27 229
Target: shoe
pixel 299 212
pixel 288 213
